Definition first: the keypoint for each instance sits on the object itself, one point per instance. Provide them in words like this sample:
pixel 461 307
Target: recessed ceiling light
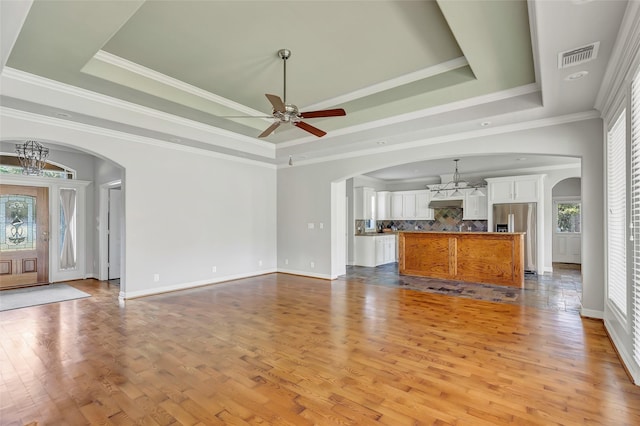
pixel 521 158
pixel 381 142
pixel 63 115
pixel 576 75
pixel 485 123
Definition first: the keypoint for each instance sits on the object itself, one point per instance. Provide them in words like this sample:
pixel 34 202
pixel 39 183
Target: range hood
pixel 445 204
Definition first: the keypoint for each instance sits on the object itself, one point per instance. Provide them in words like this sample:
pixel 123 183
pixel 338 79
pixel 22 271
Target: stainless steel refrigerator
pixel 519 217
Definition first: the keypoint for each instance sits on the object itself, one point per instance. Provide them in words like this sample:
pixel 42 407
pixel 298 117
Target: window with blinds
pixel 616 215
pixel 635 209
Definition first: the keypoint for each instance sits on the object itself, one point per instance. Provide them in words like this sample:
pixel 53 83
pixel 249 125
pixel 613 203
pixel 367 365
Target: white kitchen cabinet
pixel 410 205
pixel 375 250
pixel 396 205
pixel 475 207
pixel 384 205
pixel 423 212
pixel 364 203
pixel 514 189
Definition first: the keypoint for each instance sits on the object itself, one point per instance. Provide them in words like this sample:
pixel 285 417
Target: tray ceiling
pixel 201 60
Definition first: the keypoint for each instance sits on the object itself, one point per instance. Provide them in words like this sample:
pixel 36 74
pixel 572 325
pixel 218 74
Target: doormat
pixel 32 296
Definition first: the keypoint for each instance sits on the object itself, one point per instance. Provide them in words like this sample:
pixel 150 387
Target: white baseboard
pixel 305 274
pixel 192 284
pixel 627 359
pixel 591 313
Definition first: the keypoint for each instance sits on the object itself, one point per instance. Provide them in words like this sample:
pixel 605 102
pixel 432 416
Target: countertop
pixel 377 234
pixel 463 232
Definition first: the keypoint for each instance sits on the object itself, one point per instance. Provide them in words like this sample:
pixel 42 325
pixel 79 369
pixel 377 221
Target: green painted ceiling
pixel 376 59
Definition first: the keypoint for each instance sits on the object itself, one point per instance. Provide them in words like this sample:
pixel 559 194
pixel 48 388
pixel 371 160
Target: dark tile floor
pixel 558 291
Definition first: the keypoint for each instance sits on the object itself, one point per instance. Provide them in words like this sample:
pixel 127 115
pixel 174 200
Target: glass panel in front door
pixel 18 217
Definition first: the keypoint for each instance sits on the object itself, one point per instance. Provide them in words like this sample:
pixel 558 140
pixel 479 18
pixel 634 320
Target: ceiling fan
pixel 289 113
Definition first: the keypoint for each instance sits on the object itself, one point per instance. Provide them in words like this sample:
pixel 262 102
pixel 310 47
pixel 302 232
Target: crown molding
pixel 115 134
pixel 623 58
pixel 510 128
pixel 439 109
pixel 11 76
pixel 142 71
pixel 422 74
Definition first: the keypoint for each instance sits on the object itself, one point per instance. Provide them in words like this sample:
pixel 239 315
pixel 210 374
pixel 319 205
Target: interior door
pixel 567 236
pixel 24 241
pixel 115 224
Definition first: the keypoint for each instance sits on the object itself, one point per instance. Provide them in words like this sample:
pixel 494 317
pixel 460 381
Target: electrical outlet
pixel 321 225
pixel 214 269
pixel 156 278
pixel 286 261
pixel 313 265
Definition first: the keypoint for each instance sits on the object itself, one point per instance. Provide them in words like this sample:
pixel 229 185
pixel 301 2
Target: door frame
pixel 55 185
pixel 554 220
pixel 103 237
pixel 114 211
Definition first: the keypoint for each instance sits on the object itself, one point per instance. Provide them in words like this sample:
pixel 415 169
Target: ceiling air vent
pixel 578 56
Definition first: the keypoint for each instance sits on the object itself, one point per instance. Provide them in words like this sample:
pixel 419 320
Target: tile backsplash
pixel 446 219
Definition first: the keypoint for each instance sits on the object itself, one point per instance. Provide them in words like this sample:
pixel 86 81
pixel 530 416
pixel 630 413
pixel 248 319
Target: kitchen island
pixel 481 257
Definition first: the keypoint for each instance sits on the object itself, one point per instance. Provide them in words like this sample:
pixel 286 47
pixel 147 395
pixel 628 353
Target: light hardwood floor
pixel 280 349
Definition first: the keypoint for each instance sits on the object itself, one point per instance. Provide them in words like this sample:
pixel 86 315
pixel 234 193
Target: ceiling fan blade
pixel 309 128
pixel 269 130
pixel 323 113
pixel 276 101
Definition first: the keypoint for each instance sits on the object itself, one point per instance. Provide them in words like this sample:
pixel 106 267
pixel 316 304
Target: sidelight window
pixel 67 228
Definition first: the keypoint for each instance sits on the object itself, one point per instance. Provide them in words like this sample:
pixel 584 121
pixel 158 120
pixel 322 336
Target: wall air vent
pixel 579 55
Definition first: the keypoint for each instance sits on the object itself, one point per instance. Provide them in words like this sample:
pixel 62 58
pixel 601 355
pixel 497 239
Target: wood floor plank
pixel 281 349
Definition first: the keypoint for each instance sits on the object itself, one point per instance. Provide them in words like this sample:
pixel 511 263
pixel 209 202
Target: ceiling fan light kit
pixel 288 113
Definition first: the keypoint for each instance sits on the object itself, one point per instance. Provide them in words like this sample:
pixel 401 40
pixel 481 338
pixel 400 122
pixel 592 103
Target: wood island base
pixel 481 257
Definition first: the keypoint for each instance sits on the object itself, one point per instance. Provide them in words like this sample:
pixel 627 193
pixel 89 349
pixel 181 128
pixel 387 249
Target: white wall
pixel 304 192
pixel 567 188
pixel 186 211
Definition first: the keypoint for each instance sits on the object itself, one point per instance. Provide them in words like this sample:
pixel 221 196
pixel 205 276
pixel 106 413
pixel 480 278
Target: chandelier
pixel 32 157
pixel 456 184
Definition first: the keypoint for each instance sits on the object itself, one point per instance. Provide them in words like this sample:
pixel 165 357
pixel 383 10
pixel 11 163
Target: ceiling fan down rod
pixel 285 54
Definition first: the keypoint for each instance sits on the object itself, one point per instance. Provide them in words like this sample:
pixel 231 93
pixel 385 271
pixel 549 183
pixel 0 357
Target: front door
pixel 24 241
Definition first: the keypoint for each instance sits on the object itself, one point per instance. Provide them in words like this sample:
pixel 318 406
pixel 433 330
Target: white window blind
pixel 616 217
pixel 635 200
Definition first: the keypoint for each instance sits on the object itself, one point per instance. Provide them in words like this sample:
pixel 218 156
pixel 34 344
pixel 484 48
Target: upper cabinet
pixel 365 205
pixel 411 205
pixel 475 206
pixel 515 189
pixel 384 205
pixel 422 205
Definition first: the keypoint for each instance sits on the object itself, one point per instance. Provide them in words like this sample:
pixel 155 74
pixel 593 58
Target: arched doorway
pixel 567 222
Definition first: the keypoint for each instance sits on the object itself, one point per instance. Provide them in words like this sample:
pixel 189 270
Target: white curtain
pixel 68 253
